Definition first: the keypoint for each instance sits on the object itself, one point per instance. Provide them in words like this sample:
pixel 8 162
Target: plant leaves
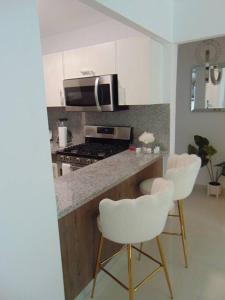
pixel 210 150
pixel 204 156
pixel 222 164
pixel 192 149
pixel 201 141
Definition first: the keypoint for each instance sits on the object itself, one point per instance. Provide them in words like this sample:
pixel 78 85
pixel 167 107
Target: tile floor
pixel 205 277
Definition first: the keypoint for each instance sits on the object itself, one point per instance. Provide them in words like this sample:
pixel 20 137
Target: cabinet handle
pixel 96 93
pixel 87 72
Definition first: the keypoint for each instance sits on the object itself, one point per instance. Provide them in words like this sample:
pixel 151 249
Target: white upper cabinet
pixel 75 63
pixel 140 64
pixel 53 75
pixel 90 61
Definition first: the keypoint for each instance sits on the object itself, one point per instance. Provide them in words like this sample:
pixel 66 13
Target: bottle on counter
pixel 62 132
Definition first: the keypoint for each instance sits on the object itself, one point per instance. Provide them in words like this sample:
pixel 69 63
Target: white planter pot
pixel 214 190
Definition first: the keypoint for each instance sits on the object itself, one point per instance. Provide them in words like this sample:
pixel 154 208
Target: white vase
pixel 146 149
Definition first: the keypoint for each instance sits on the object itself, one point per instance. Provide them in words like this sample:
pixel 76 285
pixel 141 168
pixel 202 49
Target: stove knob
pixel 78 159
pixel 89 161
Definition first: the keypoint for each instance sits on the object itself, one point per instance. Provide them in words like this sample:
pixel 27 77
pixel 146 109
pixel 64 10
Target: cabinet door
pixel 101 58
pixel 75 63
pixel 140 66
pixel 53 75
pixel 90 61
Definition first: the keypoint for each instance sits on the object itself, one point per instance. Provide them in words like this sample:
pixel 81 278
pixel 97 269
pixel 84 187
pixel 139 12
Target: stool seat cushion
pixel 182 170
pixel 137 220
pixel 146 186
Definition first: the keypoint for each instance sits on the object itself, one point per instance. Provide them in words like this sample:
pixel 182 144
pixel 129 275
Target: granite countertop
pixel 78 187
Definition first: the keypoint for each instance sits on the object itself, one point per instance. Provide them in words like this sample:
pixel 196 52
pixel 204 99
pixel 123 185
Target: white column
pixel 30 261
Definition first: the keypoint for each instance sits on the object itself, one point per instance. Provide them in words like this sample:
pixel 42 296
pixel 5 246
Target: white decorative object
pixel 146 138
pixel 138 150
pixel 149 150
pixel 156 149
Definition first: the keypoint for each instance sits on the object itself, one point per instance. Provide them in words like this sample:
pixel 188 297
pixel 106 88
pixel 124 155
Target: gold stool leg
pixel 182 216
pixel 130 279
pixel 183 234
pixel 164 266
pixel 141 248
pixel 97 264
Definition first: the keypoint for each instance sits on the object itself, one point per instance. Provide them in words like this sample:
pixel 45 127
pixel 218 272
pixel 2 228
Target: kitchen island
pixel 78 195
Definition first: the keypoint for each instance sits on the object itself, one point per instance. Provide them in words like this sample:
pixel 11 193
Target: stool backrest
pixel 137 220
pixel 183 170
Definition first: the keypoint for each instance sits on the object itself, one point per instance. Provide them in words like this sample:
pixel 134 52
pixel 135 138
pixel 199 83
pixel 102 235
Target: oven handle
pixel 96 94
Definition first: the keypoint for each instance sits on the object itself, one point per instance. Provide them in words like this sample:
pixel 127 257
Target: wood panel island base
pixel 79 234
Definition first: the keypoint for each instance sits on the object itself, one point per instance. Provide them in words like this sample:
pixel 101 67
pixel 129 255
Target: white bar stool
pixel 182 170
pixel 132 221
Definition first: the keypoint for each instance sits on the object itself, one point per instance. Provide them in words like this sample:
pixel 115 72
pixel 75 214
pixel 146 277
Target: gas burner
pixel 100 142
pixel 93 150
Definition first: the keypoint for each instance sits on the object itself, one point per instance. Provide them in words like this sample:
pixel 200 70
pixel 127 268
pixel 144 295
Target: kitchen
pixel 152 84
pixel 100 98
pixel 61 164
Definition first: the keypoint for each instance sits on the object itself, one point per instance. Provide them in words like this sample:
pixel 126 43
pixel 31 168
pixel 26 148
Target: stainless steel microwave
pixel 97 93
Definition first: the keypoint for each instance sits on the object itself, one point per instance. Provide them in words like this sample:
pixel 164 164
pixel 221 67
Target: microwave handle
pixel 96 93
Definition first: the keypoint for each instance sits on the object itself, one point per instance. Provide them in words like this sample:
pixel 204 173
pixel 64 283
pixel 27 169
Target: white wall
pixel 30 263
pixel 87 36
pixel 198 19
pixel 208 124
pixel 155 16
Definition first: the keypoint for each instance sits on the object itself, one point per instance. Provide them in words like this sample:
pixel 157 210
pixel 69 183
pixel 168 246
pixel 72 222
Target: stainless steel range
pixel 100 142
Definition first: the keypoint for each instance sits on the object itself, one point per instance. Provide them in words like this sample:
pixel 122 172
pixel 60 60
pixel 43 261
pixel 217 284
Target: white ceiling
pixel 59 16
pixel 177 21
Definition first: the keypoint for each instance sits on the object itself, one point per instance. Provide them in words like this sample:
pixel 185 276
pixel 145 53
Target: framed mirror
pixel 208 88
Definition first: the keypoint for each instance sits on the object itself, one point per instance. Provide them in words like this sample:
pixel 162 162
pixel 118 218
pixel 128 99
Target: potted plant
pixel 206 151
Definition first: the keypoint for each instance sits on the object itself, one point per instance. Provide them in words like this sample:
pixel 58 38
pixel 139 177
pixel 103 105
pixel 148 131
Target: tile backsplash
pixel 153 118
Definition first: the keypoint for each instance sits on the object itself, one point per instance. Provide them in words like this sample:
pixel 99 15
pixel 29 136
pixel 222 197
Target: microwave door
pixel 80 94
pixel 91 93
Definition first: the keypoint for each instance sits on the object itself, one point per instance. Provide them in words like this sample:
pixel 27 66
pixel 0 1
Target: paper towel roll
pixel 55 170
pixel 62 136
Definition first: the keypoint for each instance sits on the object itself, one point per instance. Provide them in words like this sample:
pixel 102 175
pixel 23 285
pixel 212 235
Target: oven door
pixel 91 93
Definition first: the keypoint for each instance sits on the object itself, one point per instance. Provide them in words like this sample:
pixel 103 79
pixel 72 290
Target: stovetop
pixel 100 142
pixel 93 150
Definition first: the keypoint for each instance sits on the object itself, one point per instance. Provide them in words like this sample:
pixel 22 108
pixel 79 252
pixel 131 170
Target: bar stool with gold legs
pixel 182 170
pixel 132 221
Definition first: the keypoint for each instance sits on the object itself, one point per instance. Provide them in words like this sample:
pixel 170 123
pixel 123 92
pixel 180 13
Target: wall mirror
pixel 208 88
